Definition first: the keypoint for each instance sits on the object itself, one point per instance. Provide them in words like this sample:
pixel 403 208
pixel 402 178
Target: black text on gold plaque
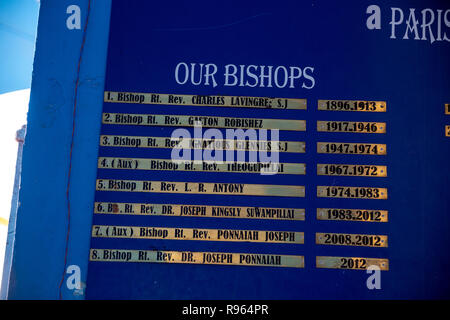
pixel 365 215
pixel 352 105
pixel 213 258
pixel 345 239
pixel 200 188
pixel 351 126
pixel 351 170
pixel 204 101
pixel 191 210
pixel 203 121
pixel 351 192
pixel 132 232
pixel 205 144
pixel 351 148
pixel 352 263
pixel 201 166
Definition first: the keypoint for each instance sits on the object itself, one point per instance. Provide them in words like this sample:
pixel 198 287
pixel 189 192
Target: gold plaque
pixel 351 148
pixel 214 258
pixel 447 131
pixel 352 263
pixel 204 101
pixel 352 105
pixel 192 210
pixel 170 120
pixel 226 235
pixel 351 192
pixel 351 170
pixel 200 166
pixel 351 126
pixel 447 108
pixel 365 215
pixel 346 239
pixel 205 144
pixel 200 188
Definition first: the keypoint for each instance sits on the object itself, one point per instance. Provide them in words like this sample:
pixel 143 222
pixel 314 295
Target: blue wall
pixel 42 222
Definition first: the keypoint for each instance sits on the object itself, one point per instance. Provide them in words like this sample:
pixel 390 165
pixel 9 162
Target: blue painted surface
pixel 42 216
pixel 147 41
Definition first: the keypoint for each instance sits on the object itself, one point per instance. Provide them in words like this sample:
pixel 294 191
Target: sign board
pixel 272 150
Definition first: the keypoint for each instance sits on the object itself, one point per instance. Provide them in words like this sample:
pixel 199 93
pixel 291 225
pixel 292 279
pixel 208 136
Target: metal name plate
pixel 204 121
pixel 351 148
pixel 365 215
pixel 205 101
pixel 346 239
pixel 149 232
pixel 352 263
pixel 200 188
pixel 351 170
pixel 212 258
pixel 201 166
pixel 351 126
pixel 204 144
pixel 351 192
pixel 352 105
pixel 191 210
